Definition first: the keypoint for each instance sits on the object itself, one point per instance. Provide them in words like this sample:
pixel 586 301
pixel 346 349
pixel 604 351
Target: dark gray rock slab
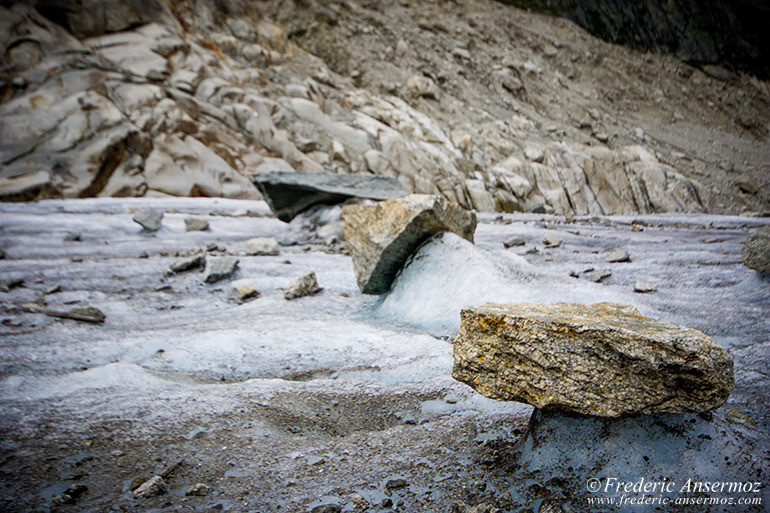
pixel 288 194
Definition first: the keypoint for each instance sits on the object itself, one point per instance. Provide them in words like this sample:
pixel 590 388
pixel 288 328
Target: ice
pixel 449 273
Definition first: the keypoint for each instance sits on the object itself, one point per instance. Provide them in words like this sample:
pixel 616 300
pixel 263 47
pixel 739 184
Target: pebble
pixel 599 276
pixel 261 246
pixel 72 236
pixel 219 268
pixel 327 508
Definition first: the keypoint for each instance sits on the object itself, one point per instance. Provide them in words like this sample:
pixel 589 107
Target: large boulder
pixel 756 250
pixel 288 193
pixel 604 359
pixel 381 237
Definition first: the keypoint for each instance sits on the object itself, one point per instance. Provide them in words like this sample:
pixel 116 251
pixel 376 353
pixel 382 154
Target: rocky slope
pixel 488 105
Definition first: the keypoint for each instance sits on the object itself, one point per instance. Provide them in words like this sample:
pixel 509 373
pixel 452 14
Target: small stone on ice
pixel 219 268
pixel 149 219
pixel 189 263
pixel 643 287
pixel 395 484
pixel 304 286
pixel 247 292
pixel 261 246
pixel 553 240
pixel 618 255
pixel 196 224
pixel 513 242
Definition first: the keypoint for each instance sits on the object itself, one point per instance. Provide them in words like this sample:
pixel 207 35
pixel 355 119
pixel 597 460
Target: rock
pixel 419 86
pixel 514 242
pixel 395 484
pixel 381 237
pixel 84 314
pixel 303 286
pixel 603 359
pixel 553 240
pixel 644 287
pixel 196 224
pixel 747 184
pixel 359 503
pixel 756 250
pixel 198 490
pixel 247 293
pixel 189 263
pixel 261 246
pixel 288 194
pixel 618 255
pixel 9 284
pixel 136 483
pixel 151 488
pixel 149 219
pixel 72 237
pixel 327 508
pixel 535 206
pixel 598 276
pixel 70 495
pixel 219 268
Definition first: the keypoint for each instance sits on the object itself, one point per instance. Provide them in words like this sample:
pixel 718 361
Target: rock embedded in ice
pixel 756 250
pixel 603 359
pixel 261 246
pixel 189 263
pixel 219 268
pixel 149 219
pixel 288 193
pixel 303 286
pixel 513 242
pixel 381 237
pixel 618 255
pixel 196 224
pixel 151 488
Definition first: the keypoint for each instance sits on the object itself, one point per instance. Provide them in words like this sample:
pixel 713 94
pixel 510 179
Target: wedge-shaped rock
pixel 381 237
pixel 756 251
pixel 603 359
pixel 288 194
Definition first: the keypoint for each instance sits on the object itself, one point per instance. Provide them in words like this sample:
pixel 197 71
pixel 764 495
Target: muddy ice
pixel 342 399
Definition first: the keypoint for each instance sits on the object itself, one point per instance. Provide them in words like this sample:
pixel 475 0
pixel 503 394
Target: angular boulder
pixel 219 268
pixel 604 360
pixel 756 250
pixel 288 193
pixel 381 237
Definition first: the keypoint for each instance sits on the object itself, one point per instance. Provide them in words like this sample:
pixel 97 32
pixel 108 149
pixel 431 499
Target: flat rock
pixel 149 219
pixel 288 193
pixel 303 286
pixel 189 263
pixel 644 287
pixel 247 293
pixel 514 242
pixel 381 237
pixel 618 255
pixel 604 359
pixel 261 246
pixel 756 250
pixel 219 268
pixel 196 224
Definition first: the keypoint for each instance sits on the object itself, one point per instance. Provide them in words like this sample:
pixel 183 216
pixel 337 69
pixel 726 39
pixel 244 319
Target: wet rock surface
pixel 381 237
pixel 603 359
pixel 287 405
